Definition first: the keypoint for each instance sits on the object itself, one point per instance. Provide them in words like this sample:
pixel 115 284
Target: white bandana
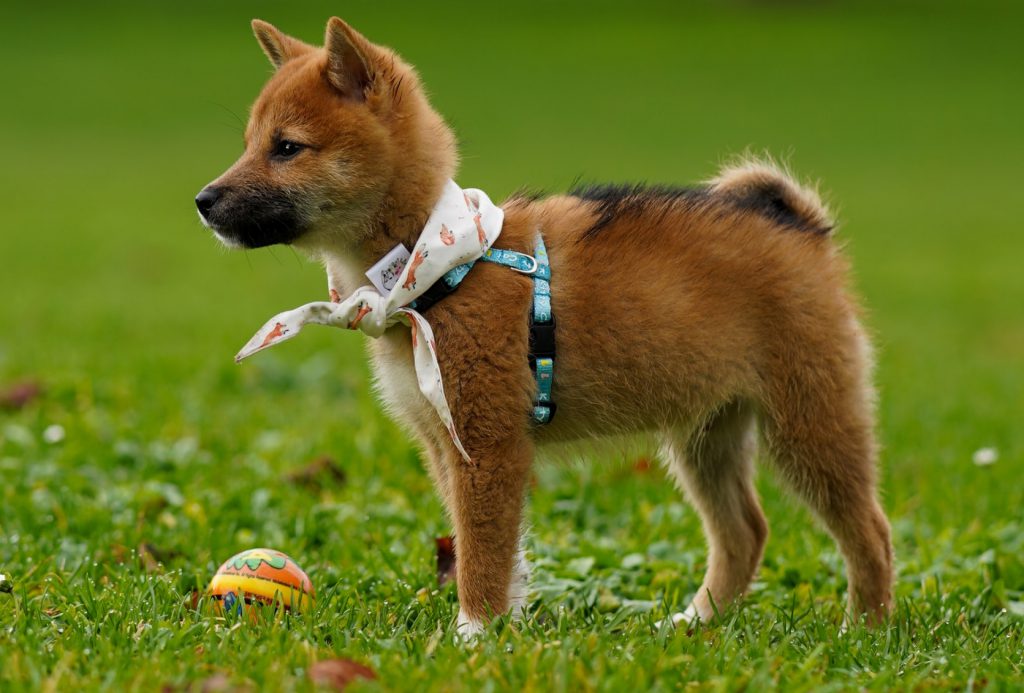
pixel 463 224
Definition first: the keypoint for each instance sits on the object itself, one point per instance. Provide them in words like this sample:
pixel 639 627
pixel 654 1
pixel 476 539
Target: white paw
pixel 468 628
pixel 683 618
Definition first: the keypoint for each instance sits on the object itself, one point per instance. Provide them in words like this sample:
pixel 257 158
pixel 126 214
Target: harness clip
pixel 532 269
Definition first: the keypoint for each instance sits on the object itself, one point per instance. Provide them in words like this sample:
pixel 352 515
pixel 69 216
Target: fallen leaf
pixel 318 474
pixel 152 557
pixel 338 673
pixel 642 465
pixel 119 553
pixel 217 683
pixel 445 560
pixel 18 395
pixel 192 602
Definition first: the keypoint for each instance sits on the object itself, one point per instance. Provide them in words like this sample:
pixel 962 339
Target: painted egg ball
pixel 261 577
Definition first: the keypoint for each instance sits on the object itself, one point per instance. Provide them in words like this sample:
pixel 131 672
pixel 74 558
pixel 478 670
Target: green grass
pixel 128 313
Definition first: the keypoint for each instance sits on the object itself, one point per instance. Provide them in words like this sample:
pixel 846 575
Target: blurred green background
pixel 128 312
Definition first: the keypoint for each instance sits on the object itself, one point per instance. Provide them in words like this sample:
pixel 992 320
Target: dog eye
pixel 286 149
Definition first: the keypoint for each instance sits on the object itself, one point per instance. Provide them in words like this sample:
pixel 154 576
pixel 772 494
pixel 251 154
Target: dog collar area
pixel 542 319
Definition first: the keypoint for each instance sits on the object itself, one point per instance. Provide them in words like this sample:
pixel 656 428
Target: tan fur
pixel 691 319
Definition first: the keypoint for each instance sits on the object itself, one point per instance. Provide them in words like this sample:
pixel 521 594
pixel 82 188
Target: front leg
pixel 482 344
pixel 487 508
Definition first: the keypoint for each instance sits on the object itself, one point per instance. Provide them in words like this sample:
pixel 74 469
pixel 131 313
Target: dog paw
pixel 682 618
pixel 468 629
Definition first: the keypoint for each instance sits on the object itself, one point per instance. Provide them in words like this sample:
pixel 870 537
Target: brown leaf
pixel 445 560
pixel 338 673
pixel 217 683
pixel 642 465
pixel 119 553
pixel 192 602
pixel 18 395
pixel 318 474
pixel 152 556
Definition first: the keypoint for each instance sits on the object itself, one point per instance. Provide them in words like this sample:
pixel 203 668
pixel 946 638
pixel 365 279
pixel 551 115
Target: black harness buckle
pixel 542 340
pixel 438 290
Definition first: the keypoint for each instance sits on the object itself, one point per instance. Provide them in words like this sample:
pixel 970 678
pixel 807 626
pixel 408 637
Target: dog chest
pixel 395 378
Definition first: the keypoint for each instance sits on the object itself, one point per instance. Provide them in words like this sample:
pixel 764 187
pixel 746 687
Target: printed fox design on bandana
pixel 480 233
pixel 447 237
pixel 474 208
pixel 364 310
pixel 414 329
pixel 417 260
pixel 275 334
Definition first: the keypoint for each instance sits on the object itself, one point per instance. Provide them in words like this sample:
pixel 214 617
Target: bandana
pixel 462 226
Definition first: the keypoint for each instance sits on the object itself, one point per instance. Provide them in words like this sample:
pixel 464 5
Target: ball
pixel 261 577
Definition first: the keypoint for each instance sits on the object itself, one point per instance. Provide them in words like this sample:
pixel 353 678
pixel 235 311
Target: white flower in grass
pixel 985 456
pixel 53 434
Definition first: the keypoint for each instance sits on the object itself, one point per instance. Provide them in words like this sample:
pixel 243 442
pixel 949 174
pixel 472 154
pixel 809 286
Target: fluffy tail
pixel 762 186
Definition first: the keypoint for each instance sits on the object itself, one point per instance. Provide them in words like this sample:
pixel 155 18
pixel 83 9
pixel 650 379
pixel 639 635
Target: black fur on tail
pixel 763 188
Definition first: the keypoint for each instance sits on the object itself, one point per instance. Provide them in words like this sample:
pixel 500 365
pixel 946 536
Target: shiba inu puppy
pixel 711 318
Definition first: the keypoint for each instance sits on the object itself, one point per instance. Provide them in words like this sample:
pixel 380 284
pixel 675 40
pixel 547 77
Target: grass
pixel 127 313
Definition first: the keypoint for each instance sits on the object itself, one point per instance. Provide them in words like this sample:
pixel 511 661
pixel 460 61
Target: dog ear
pixel 349 59
pixel 279 47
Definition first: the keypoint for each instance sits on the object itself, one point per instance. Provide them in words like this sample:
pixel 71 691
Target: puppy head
pixel 332 139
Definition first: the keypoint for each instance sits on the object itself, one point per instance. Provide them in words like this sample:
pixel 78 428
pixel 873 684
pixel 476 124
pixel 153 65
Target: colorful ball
pixel 261 576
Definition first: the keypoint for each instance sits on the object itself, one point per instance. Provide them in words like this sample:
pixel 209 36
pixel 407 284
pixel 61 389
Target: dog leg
pixel 487 496
pixel 520 585
pixel 819 429
pixel 437 467
pixel 714 467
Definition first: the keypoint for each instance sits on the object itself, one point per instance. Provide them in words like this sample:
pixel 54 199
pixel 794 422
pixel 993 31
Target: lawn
pixel 147 457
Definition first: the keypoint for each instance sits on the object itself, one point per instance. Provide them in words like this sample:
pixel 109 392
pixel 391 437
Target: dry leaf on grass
pixel 217 682
pixel 152 557
pixel 318 474
pixel 445 560
pixel 18 395
pixel 642 465
pixel 192 602
pixel 338 673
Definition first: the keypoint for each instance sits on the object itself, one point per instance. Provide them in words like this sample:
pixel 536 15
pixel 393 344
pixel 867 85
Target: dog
pixel 710 319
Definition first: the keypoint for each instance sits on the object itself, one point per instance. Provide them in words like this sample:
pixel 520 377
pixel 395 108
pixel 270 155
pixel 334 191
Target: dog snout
pixel 206 199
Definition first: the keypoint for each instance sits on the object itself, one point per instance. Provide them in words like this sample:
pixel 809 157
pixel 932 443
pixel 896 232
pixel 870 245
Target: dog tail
pixel 762 186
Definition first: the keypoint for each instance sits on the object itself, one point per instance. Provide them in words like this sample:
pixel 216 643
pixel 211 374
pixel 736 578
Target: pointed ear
pixel 279 47
pixel 349 59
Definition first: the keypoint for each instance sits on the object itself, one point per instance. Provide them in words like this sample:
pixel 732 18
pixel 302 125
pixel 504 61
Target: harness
pixel 542 320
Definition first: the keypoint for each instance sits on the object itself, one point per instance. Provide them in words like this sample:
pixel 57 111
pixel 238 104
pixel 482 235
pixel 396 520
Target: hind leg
pixel 714 466
pixel 819 427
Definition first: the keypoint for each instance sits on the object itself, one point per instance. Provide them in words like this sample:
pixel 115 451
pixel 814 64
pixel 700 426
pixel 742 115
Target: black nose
pixel 206 199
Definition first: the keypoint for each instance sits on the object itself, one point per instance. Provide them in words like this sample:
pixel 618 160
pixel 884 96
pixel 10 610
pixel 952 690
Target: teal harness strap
pixel 542 336
pixel 542 320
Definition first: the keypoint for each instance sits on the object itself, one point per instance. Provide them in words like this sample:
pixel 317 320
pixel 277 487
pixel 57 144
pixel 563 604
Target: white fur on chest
pixel 394 372
pixel 395 379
